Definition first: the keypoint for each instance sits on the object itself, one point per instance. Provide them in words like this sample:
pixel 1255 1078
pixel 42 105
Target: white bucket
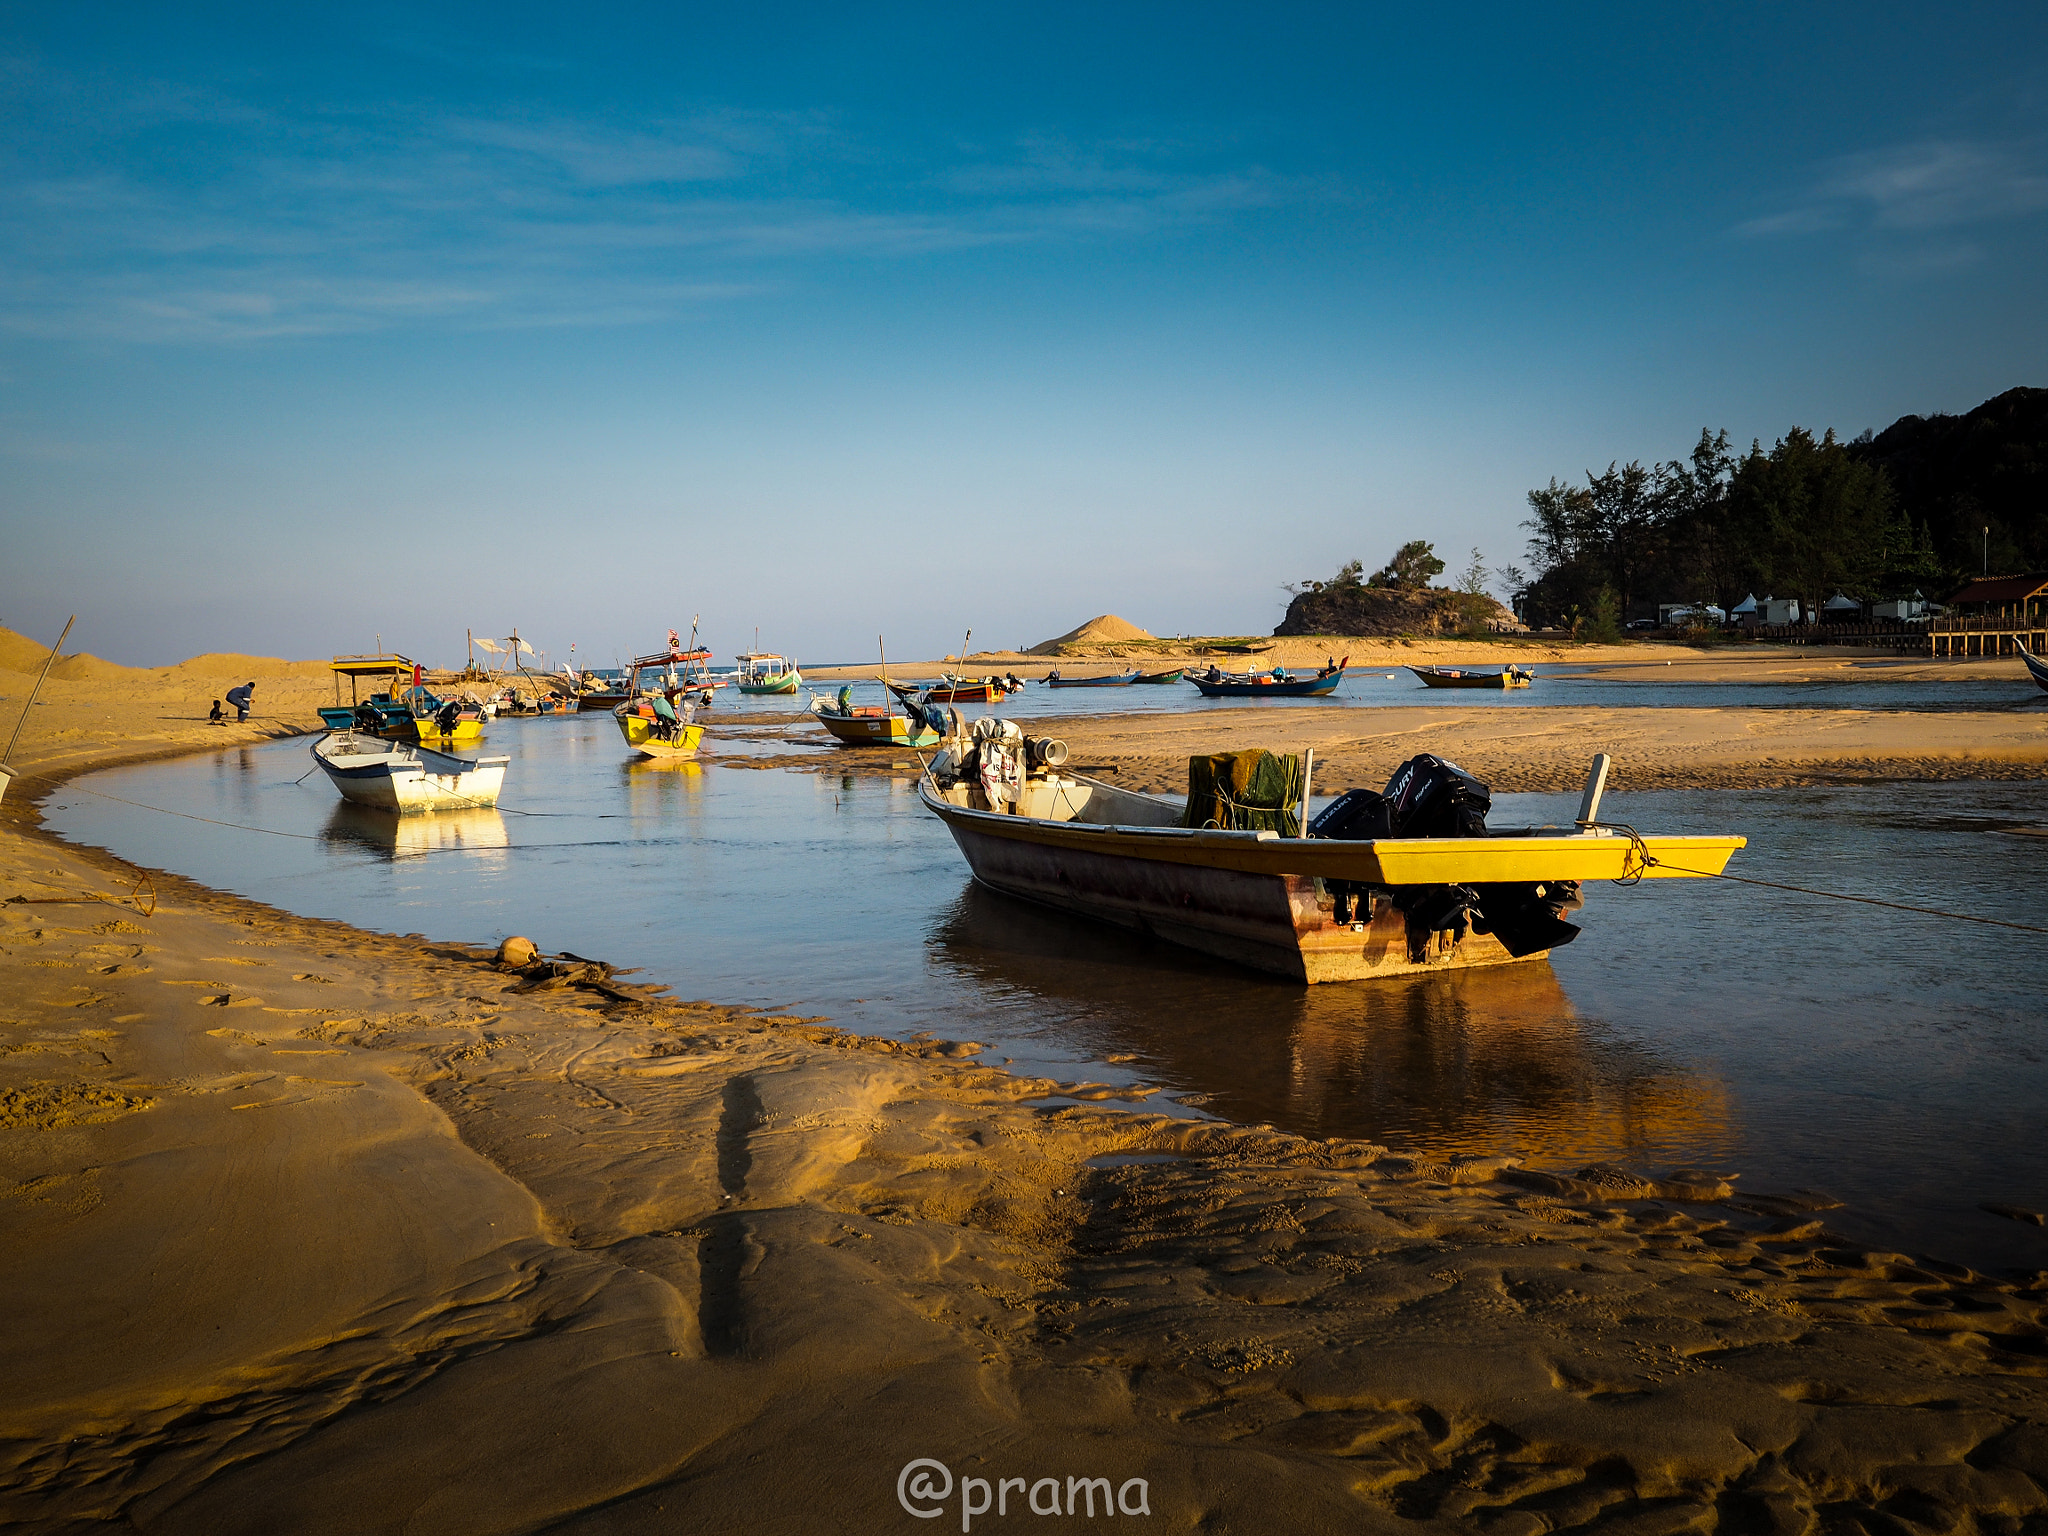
pixel 6 778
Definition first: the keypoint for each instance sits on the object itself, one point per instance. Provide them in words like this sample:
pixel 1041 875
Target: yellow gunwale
pixel 1508 856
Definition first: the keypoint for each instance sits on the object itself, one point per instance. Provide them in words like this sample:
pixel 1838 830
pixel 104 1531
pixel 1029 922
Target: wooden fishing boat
pixel 398 776
pixel 2036 667
pixel 1268 685
pixel 449 722
pixel 1160 677
pixel 871 725
pixel 649 719
pixel 958 690
pixel 1113 680
pixel 1458 677
pixel 383 711
pixel 765 672
pixel 1281 904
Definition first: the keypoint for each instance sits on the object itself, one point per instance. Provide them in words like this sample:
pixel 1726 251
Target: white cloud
pixel 1937 184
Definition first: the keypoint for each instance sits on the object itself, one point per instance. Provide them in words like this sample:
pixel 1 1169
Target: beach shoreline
pixel 306 1221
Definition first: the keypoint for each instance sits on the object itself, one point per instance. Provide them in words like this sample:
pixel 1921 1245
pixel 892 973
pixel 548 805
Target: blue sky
pixel 316 327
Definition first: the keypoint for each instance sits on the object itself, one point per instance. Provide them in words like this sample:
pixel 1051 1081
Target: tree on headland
pixel 1413 565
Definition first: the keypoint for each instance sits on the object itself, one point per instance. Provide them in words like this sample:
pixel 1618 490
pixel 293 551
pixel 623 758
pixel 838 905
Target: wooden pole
pixel 31 704
pixel 1308 768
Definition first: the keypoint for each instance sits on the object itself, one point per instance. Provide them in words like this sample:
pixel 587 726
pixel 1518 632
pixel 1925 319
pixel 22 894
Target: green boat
pixel 765 672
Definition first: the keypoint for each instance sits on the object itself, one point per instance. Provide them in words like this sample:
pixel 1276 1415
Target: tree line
pixel 1881 516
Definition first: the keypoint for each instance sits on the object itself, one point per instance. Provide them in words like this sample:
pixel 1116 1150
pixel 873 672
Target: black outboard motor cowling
pixel 1428 797
pixel 1357 815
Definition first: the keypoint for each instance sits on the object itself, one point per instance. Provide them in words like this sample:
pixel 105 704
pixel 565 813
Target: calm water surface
pixel 1383 687
pixel 1895 1061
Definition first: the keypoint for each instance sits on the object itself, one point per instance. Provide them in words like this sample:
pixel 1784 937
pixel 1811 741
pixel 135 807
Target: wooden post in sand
pixel 6 773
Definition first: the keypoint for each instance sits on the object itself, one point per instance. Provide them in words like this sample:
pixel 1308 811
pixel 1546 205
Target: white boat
pixel 402 776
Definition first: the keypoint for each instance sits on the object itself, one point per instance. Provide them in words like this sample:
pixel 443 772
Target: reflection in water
pixel 397 837
pixel 1480 1061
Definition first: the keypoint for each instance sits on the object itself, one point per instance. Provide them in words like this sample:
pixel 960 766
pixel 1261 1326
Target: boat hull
pixel 1304 688
pixel 878 731
pixel 1270 923
pixel 394 777
pixel 643 737
pixel 463 733
pixel 1495 680
pixel 2037 669
pixel 1119 680
pixel 782 685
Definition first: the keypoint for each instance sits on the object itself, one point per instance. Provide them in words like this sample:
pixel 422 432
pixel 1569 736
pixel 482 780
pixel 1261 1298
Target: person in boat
pixel 1214 674
pixel 243 698
pixel 1053 676
pixel 1281 675
pixel 215 716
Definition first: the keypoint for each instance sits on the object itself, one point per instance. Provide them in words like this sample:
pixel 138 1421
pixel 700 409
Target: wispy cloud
pixel 1934 185
pixel 179 215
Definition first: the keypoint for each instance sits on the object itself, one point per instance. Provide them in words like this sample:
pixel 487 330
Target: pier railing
pixel 1986 635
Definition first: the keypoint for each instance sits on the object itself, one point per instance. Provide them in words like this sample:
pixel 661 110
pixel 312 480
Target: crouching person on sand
pixel 214 716
pixel 242 698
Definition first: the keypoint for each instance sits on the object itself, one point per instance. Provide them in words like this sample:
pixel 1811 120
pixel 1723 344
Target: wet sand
pixel 310 1229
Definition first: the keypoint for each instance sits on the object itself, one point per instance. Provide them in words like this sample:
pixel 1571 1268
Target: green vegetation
pixel 1810 516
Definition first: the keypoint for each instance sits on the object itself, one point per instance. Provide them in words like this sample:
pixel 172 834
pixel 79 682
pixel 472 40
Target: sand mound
pixel 18 653
pixel 1104 626
pixel 233 664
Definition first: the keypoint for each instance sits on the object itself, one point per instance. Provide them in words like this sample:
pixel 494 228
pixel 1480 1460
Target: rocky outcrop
pixel 1362 610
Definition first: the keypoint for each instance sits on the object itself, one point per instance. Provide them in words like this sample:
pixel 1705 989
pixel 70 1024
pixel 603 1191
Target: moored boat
pixel 1276 684
pixel 1111 680
pixel 2036 667
pixel 382 711
pixel 656 722
pixel 872 725
pixel 1459 677
pixel 1160 677
pixel 950 689
pixel 399 776
pixel 1350 901
pixel 765 672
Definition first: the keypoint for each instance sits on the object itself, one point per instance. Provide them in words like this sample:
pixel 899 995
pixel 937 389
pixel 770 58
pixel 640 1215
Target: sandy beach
pixel 311 1229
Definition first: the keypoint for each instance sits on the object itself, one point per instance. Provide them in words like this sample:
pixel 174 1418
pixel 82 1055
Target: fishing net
pixel 1254 791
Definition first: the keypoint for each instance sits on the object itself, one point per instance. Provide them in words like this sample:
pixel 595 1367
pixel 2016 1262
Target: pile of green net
pixel 1255 791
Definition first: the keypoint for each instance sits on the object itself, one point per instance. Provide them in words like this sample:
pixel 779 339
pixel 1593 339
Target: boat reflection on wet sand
pixel 1481 1061
pixel 398 837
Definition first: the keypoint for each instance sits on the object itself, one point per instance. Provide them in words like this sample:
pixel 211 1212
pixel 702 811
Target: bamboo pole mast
pixel 48 663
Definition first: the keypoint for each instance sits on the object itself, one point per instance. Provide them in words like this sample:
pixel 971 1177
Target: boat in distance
pixel 767 673
pixel 403 776
pixel 1109 680
pixel 1276 684
pixel 1459 677
pixel 1276 903
pixel 1160 677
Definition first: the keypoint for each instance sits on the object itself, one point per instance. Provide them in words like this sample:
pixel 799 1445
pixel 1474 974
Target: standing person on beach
pixel 242 698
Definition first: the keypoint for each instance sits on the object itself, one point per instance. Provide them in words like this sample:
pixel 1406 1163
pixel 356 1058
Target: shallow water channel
pixel 1893 1060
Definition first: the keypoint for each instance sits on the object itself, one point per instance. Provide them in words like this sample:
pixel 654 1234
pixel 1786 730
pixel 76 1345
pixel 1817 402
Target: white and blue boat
pixel 402 776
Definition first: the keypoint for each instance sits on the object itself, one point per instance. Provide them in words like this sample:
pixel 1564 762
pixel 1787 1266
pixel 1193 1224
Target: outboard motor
pixel 1428 797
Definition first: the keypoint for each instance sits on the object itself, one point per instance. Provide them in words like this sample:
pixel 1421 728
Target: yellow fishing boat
pixel 652 723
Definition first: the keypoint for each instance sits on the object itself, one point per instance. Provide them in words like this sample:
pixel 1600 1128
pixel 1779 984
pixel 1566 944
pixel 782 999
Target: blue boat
pixel 1114 680
pixel 1268 685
